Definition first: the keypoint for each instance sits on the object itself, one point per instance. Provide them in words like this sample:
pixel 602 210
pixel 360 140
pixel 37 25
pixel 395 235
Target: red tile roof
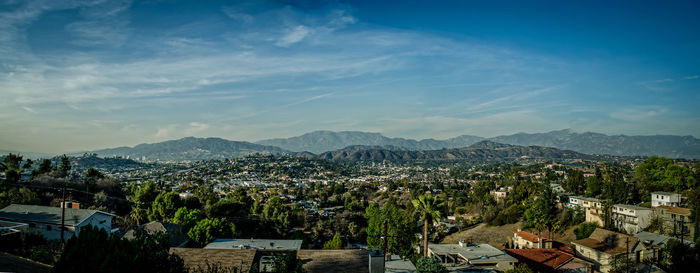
pixel 530 236
pixel 544 259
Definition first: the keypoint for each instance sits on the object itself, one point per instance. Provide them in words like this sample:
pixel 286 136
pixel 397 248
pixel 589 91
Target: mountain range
pixel 588 142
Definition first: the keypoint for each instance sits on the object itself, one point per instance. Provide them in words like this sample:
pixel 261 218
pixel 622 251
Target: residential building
pixel 551 260
pixel 463 257
pixel 654 243
pixel 257 244
pixel 662 198
pixel 631 219
pixel 46 220
pixel 603 246
pixel 676 221
pixel 593 208
pixel 524 239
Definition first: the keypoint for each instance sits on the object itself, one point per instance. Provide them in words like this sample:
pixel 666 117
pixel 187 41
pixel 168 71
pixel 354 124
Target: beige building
pixel 676 221
pixel 603 246
pixel 524 240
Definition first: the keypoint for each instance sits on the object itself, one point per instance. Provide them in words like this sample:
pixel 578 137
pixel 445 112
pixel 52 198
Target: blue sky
pixel 78 75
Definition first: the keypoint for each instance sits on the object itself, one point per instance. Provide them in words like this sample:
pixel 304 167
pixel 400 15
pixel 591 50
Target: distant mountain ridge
pixel 323 141
pixel 480 152
pixel 589 143
pixel 190 148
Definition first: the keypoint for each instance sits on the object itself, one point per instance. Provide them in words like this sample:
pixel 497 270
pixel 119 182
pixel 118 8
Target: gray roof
pixel 473 253
pixel 398 265
pixel 334 260
pixel 259 244
pixel 46 215
pixel 652 238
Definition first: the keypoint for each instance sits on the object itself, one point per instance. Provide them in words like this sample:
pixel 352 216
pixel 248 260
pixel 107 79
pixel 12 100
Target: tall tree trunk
pixel 425 237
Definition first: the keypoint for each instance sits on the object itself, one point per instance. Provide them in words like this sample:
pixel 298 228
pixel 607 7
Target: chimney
pixel 376 261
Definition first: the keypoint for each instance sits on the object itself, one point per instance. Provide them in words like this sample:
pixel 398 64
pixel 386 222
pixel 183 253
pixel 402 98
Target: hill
pixel 596 143
pixel 189 148
pixel 322 141
pixel 484 151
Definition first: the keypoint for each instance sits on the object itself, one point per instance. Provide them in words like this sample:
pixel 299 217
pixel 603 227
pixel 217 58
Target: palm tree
pixel 427 209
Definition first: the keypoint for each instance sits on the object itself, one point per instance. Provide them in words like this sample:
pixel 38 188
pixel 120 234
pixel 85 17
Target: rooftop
pixel 529 236
pixel 259 244
pixel 335 260
pixel 398 265
pixel 608 241
pixel 177 237
pixel 545 259
pixel 664 193
pixel 200 258
pixel 473 253
pixel 46 215
pixel 654 239
pixel 631 207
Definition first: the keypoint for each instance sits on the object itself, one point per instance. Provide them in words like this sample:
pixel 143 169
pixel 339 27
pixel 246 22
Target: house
pixel 662 198
pixel 550 260
pixel 463 257
pixel 676 221
pixel 46 220
pixel 631 219
pixel 557 188
pixel 603 246
pixel 175 233
pixel 257 244
pixel 592 206
pixel 201 259
pixel 654 243
pixel 334 260
pixel 524 239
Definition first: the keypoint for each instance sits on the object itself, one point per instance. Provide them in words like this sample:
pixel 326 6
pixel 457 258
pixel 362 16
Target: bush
pixel 430 265
pixel 584 230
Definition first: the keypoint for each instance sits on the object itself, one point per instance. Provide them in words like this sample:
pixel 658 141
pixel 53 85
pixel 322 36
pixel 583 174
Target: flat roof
pixel 631 207
pixel 664 193
pixel 334 260
pixel 473 253
pixel 398 265
pixel 201 259
pixel 259 244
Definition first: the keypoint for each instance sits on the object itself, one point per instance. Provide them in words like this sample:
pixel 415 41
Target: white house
pixel 632 219
pixel 662 198
pixel 47 220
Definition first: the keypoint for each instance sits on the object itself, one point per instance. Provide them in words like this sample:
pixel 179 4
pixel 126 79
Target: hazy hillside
pixel 322 141
pixel 485 151
pixel 595 143
pixel 189 148
pixel 589 143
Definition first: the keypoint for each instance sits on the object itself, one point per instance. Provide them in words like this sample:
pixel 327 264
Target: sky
pixel 79 75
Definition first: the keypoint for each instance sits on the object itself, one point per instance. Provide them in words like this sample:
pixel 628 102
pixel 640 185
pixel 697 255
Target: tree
pixel 400 224
pixel 187 218
pixel 542 213
pixel 430 265
pixel 165 206
pixel 679 257
pixel 427 208
pixel 576 183
pixel 585 229
pixel 206 230
pixel 44 166
pixel 65 165
pixel 11 166
pixel 288 263
pixel 335 243
pixel 96 251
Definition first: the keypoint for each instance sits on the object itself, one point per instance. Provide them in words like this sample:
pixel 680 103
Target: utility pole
pixel 386 233
pixel 63 213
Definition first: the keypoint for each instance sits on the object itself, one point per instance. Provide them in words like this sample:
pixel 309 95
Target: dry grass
pixel 496 236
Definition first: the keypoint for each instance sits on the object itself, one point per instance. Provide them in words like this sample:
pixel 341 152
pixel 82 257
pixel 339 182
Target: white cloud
pixel 294 36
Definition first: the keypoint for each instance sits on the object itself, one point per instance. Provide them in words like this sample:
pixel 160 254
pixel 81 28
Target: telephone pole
pixel 63 213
